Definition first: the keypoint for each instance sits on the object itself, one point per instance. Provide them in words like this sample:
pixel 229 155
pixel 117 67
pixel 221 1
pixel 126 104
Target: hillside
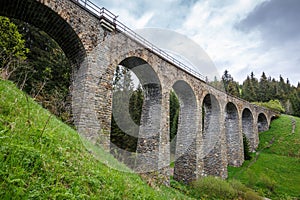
pixel 42 158
pixel 275 170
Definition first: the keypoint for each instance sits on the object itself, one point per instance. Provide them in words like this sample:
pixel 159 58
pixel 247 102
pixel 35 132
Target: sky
pixel 242 36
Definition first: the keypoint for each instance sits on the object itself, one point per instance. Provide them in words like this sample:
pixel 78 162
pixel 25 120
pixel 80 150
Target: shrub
pixel 214 188
pixel 251 195
pixel 267 182
pixel 274 105
pixel 243 191
pixel 247 154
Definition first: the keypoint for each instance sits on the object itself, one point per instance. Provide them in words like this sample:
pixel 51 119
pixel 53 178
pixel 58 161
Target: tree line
pixel 279 95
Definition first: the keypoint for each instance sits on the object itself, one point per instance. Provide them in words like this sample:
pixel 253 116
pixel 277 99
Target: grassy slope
pixel 42 158
pixel 276 173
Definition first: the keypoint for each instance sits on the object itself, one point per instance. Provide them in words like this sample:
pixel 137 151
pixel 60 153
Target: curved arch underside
pixel 262 123
pixel 44 18
pixel 186 150
pixel 247 127
pixel 213 164
pixel 149 130
pixel 233 135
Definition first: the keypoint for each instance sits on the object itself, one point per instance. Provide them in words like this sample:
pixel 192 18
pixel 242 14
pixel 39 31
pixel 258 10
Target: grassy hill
pixel 42 158
pixel 275 170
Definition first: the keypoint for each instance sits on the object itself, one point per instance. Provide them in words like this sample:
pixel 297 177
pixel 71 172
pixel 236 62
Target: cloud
pixel 238 35
pixel 212 26
pixel 278 25
pixel 277 20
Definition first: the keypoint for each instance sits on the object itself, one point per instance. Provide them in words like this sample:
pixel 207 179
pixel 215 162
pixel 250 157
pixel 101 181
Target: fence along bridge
pixel 211 122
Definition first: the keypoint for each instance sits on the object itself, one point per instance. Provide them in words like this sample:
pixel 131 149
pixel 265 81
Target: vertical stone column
pixel 164 144
pixel 248 128
pixel 90 103
pixel 233 136
pixel 223 173
pixel 255 133
pixel 241 144
pixel 215 155
pixel 84 114
pixel 149 133
pixel 185 168
pixel 199 145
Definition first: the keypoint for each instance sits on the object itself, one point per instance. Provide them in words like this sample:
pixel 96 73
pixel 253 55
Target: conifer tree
pixel 254 85
pixel 174 114
pixel 12 47
pixel 263 90
pixel 231 87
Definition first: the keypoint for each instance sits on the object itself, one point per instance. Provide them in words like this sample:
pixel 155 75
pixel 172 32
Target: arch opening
pixel 185 163
pixel 233 136
pixel 136 110
pixel 262 123
pixel 44 18
pixel 247 124
pixel 211 128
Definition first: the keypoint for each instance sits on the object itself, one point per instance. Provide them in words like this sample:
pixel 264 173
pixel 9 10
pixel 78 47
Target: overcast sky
pixel 238 35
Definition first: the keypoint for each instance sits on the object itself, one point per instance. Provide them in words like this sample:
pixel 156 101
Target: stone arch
pixel 53 18
pixel 211 129
pixel 247 127
pixel 149 129
pixel 233 135
pixel 186 155
pixel 44 18
pixel 262 122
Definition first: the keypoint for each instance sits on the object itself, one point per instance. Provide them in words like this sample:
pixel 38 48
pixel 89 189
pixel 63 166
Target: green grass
pixel 276 173
pixel 42 158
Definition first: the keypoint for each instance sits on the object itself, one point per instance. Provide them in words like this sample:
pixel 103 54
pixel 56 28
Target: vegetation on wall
pixel 272 105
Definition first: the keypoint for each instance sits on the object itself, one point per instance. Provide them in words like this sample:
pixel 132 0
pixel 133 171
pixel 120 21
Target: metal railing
pixel 112 18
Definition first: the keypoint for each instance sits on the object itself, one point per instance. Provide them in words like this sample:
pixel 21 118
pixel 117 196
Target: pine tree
pixel 263 90
pixel 135 105
pixel 174 114
pixel 270 90
pixel 217 84
pixel 226 78
pixel 123 85
pixel 254 85
pixel 231 87
pixel 247 154
pixel 12 47
pixel 248 92
pixel 281 92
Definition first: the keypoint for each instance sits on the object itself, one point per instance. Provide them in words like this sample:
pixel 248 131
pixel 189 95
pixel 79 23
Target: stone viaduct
pixel 211 122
